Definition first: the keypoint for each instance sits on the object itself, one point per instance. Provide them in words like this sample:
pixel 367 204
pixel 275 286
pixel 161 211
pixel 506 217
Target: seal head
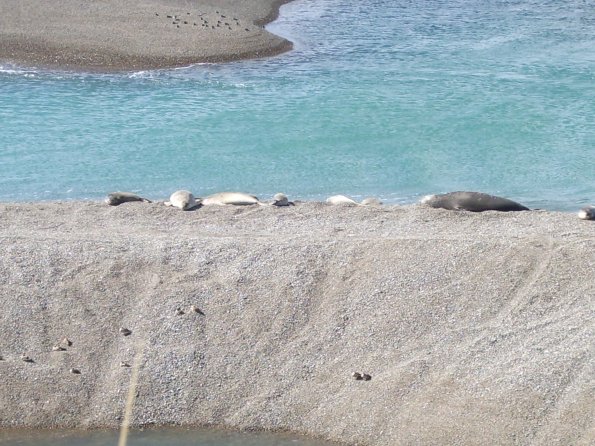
pixel 472 201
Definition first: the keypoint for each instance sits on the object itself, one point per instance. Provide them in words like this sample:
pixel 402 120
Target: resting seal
pixel 341 200
pixel 371 201
pixel 117 198
pixel 234 198
pixel 472 201
pixel 587 213
pixel 182 199
pixel 281 199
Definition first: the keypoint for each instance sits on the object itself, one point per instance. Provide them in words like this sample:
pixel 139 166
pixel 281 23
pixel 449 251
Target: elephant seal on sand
pixel 472 201
pixel 182 199
pixel 117 198
pixel 341 200
pixel 587 213
pixel 235 198
pixel 371 201
pixel 281 199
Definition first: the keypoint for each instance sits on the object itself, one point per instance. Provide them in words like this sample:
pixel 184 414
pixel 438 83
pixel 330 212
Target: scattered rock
pixel 124 364
pixel 366 377
pixel 58 348
pixel 357 376
pixel 179 312
pixel 75 371
pixel 195 309
pixel 66 342
pixel 26 358
pixel 125 331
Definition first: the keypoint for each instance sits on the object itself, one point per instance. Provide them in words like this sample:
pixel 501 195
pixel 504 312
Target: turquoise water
pixel 390 98
pixel 153 437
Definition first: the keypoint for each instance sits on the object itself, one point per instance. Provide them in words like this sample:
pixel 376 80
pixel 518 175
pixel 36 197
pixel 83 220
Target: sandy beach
pixel 475 328
pixel 116 35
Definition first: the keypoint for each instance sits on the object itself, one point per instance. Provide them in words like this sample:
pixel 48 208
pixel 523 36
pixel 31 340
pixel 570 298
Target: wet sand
pixel 475 328
pixel 116 35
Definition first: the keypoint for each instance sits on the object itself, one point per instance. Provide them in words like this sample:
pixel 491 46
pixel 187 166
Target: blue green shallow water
pixel 390 98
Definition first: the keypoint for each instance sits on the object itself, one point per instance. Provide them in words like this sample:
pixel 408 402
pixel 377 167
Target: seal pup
pixel 371 201
pixel 281 199
pixel 117 198
pixel 472 201
pixel 233 198
pixel 182 199
pixel 341 200
pixel 587 213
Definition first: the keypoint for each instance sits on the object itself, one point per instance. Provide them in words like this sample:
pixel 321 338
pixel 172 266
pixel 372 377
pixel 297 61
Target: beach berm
pixel 473 328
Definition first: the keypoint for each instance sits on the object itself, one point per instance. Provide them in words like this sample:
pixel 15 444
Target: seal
pixel 341 200
pixel 233 198
pixel 117 198
pixel 371 201
pixel 182 199
pixel 587 213
pixel 281 199
pixel 472 201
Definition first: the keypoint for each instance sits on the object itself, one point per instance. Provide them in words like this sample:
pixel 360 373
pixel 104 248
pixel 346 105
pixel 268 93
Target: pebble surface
pixel 473 328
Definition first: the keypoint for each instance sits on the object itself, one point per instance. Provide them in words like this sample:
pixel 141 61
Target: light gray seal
pixel 473 202
pixel 341 200
pixel 371 201
pixel 182 199
pixel 281 199
pixel 587 213
pixel 117 198
pixel 233 198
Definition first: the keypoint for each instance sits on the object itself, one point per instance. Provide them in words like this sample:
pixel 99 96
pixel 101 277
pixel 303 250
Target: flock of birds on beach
pixel 454 201
pixel 220 21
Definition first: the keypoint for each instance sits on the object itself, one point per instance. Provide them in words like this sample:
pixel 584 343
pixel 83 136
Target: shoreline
pixel 120 35
pixel 475 328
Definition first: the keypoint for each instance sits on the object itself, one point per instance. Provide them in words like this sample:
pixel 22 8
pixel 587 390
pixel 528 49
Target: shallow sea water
pixel 396 99
pixel 154 437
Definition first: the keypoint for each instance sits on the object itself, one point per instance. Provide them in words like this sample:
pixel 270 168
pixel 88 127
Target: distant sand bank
pixel 110 35
pixel 475 328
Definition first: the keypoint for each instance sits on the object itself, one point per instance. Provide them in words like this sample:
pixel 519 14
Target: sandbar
pixel 130 35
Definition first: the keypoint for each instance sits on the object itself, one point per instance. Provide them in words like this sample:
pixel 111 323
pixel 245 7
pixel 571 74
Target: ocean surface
pixel 391 98
pixel 153 437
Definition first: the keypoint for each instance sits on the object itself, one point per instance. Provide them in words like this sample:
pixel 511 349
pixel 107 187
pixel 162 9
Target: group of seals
pixel 185 200
pixel 453 201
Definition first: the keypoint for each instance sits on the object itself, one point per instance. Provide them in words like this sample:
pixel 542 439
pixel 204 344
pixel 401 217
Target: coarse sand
pixel 127 35
pixel 474 328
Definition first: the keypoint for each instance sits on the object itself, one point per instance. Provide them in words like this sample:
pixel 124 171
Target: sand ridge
pixel 114 35
pixel 475 328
